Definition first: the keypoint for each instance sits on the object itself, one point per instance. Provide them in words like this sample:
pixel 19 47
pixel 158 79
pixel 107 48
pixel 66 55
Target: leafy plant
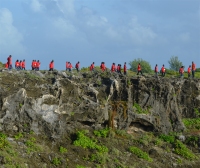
pixel 32 147
pixel 18 136
pixel 87 142
pixel 182 150
pixel 167 138
pixel 102 133
pixel 192 123
pixel 146 67
pixel 3 141
pixel 139 153
pixel 62 149
pixel 79 166
pixel 56 161
pixel 139 109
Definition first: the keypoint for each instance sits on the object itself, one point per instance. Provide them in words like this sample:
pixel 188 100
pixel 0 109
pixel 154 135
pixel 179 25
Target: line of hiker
pixel 21 65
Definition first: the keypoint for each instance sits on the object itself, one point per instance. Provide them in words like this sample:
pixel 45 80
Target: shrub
pixel 145 66
pixel 139 153
pixel 102 133
pixel 167 138
pixel 3 141
pixel 62 149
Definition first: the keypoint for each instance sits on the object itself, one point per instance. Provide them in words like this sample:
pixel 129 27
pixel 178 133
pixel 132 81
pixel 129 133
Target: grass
pixel 139 153
pixel 139 110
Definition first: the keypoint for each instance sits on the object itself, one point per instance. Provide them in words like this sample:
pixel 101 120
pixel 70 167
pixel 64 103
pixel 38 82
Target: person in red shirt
pixel 193 69
pixel 32 65
pixel 23 65
pixel 77 66
pixel 17 65
pixel 163 70
pixel 37 67
pixel 70 67
pixel 139 69
pixel 103 66
pixel 113 67
pixel 92 67
pixel 9 62
pixel 20 65
pixel 189 71
pixel 156 70
pixel 181 71
pixel 51 66
pixel 125 68
pixel 67 65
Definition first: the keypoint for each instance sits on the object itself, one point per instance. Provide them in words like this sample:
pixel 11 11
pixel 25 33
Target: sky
pixel 100 31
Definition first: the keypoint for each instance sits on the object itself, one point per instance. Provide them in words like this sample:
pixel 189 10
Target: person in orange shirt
pixel 156 70
pixel 23 65
pixel 37 67
pixel 6 65
pixel 139 69
pixel 181 71
pixel 113 67
pixel 103 66
pixel 17 65
pixel 70 67
pixel 67 65
pixel 20 65
pixel 193 69
pixel 163 70
pixel 51 66
pixel 9 62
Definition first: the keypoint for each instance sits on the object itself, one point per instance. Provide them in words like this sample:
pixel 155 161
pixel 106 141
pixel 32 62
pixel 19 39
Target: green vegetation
pixel 56 161
pixel 174 63
pixel 146 67
pixel 139 153
pixel 3 141
pixel 102 133
pixel 87 142
pixel 18 136
pixel 139 110
pixel 182 150
pixel 167 138
pixel 192 123
pixel 31 146
pixel 62 150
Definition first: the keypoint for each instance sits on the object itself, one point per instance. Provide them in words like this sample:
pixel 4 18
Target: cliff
pixel 55 105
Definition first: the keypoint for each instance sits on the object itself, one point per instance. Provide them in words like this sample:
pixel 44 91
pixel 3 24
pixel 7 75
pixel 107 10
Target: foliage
pixel 62 150
pixel 167 138
pixel 3 141
pixel 192 123
pixel 79 166
pixel 182 150
pixel 174 63
pixel 102 133
pixel 98 158
pixel 32 147
pixel 2 65
pixel 139 153
pixel 145 66
pixel 197 69
pixel 56 161
pixel 18 136
pixel 192 140
pixel 87 142
pixel 139 109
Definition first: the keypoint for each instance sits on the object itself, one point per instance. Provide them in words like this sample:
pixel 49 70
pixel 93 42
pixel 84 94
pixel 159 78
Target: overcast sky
pixel 100 30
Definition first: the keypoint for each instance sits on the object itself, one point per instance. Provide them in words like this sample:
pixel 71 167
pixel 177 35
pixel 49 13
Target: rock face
pixel 56 103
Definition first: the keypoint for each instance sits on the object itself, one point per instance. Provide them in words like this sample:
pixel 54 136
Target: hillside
pixel 59 119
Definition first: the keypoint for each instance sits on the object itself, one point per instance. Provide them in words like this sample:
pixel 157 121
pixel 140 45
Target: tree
pixel 174 63
pixel 146 67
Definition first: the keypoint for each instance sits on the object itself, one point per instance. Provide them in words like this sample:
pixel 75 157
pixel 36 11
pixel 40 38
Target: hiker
pixel 103 66
pixel 23 65
pixel 193 69
pixel 92 67
pixel 189 71
pixel 156 70
pixel 6 65
pixel 9 62
pixel 70 67
pixel 139 69
pixel 32 65
pixel 51 66
pixel 181 71
pixel 67 66
pixel 77 66
pixel 119 68
pixel 17 65
pixel 37 67
pixel 125 68
pixel 163 70
pixel 20 65
pixel 113 67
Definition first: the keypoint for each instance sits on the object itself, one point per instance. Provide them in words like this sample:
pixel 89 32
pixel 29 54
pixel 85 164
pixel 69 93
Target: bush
pixel 167 138
pixel 145 66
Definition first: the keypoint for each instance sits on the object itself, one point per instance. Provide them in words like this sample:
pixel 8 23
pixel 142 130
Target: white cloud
pixel 63 28
pixel 66 6
pixel 140 34
pixel 10 37
pixel 36 6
